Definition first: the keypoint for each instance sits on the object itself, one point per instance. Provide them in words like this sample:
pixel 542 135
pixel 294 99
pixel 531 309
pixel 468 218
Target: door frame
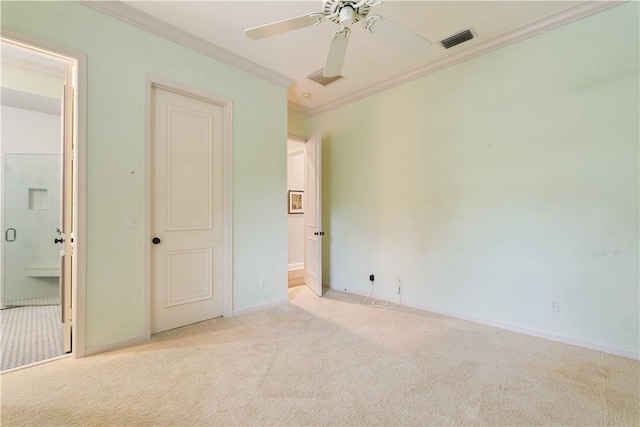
pixel 227 189
pixel 79 268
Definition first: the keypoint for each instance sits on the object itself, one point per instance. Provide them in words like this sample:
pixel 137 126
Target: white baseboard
pixel 520 329
pixel 101 348
pixel 261 306
pixel 532 332
pixel 140 339
pixel 296 266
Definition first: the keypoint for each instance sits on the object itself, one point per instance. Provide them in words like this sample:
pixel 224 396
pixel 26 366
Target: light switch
pixel 129 222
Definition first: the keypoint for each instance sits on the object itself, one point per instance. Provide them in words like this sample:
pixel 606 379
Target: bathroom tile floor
pixel 30 334
pixel 45 300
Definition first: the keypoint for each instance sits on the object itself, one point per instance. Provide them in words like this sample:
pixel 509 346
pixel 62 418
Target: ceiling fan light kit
pixel 347 16
pixel 345 13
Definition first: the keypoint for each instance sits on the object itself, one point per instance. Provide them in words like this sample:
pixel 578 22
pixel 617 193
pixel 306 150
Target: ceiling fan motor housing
pixel 348 14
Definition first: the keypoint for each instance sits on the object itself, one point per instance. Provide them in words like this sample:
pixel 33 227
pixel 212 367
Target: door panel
pixel 189 161
pixel 186 210
pixel 313 215
pixel 184 284
pixel 66 217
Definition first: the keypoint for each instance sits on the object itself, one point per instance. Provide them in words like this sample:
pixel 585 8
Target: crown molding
pixel 563 17
pixel 133 16
pixel 294 106
pixel 149 23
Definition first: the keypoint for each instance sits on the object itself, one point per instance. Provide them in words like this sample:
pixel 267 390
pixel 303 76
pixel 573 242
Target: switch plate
pixel 554 305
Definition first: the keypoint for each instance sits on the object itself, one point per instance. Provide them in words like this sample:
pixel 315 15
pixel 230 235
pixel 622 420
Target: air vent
pixel 456 39
pixel 320 79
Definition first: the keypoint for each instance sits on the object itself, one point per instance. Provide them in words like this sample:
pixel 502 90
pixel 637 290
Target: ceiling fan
pixel 346 13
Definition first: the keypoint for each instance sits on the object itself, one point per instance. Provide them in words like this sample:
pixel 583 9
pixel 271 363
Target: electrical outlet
pixel 263 282
pixel 554 305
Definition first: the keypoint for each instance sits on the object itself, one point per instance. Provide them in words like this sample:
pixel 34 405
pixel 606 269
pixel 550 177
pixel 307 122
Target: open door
pixel 313 215
pixel 66 208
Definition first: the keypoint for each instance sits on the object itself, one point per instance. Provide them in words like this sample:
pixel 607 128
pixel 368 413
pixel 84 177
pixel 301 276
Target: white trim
pixel 295 151
pixel 518 329
pixel 135 17
pixel 147 206
pixel 566 16
pixel 80 185
pixel 295 138
pixel 101 348
pixel 261 306
pixel 80 214
pixel 295 266
pixel 227 190
pixel 531 332
pixel 227 211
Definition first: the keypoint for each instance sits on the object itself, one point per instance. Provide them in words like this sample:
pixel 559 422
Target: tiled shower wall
pixel 31 204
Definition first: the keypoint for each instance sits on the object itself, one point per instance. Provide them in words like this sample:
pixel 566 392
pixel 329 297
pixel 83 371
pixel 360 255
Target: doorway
pixel 295 217
pixel 189 186
pixel 304 170
pixel 37 165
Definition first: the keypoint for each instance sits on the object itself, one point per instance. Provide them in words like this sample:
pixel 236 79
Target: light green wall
pixel 493 186
pixel 119 58
pixel 299 125
pixel 31 82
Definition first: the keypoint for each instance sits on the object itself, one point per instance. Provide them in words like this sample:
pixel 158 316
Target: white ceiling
pixel 371 64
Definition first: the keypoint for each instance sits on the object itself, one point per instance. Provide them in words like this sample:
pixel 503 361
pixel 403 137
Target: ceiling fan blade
pixel 397 34
pixel 283 26
pixel 337 52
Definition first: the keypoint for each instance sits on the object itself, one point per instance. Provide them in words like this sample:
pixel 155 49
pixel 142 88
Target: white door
pixel 186 210
pixel 313 215
pixel 66 215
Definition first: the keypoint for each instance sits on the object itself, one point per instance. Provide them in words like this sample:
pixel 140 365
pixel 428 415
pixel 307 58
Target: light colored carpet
pixel 30 334
pixel 330 361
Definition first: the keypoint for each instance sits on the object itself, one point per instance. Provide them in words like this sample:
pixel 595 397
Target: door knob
pixel 60 240
pixel 156 240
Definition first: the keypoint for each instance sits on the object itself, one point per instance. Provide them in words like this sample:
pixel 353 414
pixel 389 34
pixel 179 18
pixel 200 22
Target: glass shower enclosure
pixel 31 212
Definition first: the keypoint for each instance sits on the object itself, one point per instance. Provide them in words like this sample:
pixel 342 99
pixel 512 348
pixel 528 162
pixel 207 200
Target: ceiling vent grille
pixel 320 79
pixel 456 39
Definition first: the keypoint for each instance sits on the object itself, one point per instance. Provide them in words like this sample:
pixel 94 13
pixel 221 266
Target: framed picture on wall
pixel 295 202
